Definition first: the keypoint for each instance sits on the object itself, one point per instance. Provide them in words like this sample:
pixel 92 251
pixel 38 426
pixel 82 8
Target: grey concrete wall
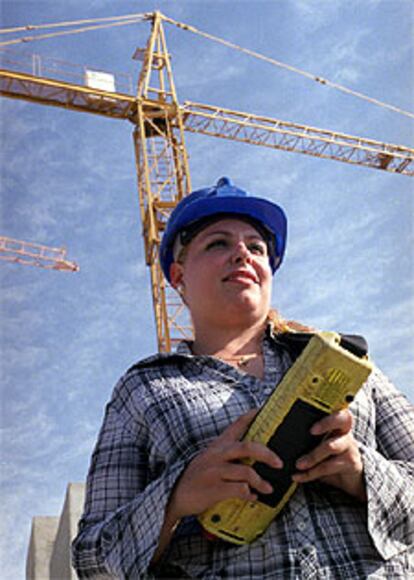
pixel 51 537
pixel 42 539
pixel 60 566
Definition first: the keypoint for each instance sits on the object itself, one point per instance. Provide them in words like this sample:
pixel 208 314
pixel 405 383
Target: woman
pixel 170 444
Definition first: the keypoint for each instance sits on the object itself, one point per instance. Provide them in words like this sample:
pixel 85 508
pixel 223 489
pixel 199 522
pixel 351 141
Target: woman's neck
pixel 229 342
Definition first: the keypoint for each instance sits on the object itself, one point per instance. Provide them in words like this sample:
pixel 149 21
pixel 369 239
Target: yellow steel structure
pixel 161 155
pixel 32 254
pixel 215 121
pixel 162 169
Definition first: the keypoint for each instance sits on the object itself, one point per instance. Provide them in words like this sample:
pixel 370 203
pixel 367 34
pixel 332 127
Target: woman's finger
pixel 237 429
pixel 232 490
pixel 334 466
pixel 327 448
pixel 229 447
pixel 245 474
pixel 253 451
pixel 340 422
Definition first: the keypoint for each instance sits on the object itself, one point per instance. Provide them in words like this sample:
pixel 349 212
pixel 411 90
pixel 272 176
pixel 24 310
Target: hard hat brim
pixel 267 213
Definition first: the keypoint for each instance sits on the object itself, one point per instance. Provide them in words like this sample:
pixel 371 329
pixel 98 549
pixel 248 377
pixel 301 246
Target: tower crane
pixel 33 254
pixel 162 166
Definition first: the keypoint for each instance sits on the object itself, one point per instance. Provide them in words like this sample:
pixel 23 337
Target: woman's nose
pixel 241 252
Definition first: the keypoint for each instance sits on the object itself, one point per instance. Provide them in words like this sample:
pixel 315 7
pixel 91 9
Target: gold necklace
pixel 240 360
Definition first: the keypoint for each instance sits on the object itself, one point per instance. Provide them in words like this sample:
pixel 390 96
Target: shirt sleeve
pixel 125 499
pixel 389 470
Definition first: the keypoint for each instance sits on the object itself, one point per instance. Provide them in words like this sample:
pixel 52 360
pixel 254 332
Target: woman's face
pixel 225 276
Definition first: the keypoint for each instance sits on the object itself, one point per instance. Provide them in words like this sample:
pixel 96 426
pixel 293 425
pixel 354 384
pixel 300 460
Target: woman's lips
pixel 241 276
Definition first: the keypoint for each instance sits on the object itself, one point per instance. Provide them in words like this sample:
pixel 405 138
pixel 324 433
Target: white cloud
pixel 26 358
pixel 14 294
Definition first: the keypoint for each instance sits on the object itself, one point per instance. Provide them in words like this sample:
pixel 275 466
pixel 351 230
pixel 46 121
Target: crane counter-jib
pixel 62 94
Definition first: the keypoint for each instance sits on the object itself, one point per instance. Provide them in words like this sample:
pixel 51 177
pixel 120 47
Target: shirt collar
pixel 184 347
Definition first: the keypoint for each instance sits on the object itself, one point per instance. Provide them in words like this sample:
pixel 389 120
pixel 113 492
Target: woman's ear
pixel 176 275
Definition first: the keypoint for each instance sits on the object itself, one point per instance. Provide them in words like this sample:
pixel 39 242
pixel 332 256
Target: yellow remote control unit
pixel 324 378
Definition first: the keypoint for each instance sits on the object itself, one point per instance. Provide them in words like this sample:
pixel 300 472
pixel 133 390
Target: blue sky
pixel 68 179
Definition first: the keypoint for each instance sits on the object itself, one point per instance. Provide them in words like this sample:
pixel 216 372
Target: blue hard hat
pixel 224 199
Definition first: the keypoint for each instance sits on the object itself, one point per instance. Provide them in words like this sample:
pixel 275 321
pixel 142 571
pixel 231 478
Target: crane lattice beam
pixel 268 132
pixel 31 254
pixel 76 97
pixel 213 121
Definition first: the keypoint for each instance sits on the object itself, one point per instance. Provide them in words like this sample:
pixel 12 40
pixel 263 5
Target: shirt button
pixel 302 526
pixel 306 550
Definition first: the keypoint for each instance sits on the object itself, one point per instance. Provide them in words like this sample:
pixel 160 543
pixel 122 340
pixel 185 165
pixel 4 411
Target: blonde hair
pixel 279 324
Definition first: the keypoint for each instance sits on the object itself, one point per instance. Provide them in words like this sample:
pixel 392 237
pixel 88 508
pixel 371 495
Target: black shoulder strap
pixel 296 342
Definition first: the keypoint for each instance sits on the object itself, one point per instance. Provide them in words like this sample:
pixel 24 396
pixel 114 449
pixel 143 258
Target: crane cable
pixel 133 18
pixel 119 21
pixel 280 64
pixel 144 16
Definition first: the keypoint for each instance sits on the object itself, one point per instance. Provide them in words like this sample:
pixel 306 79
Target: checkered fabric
pixel 167 408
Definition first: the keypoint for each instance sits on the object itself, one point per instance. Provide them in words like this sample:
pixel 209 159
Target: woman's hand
pixel 216 474
pixel 336 460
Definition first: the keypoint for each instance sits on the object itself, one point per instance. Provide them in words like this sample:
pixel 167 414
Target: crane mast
pixel 160 152
pixel 163 173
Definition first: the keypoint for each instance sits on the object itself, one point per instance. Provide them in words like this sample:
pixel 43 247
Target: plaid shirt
pixel 169 407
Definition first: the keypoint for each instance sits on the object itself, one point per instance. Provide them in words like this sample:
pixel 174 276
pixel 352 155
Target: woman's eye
pixel 258 248
pixel 219 243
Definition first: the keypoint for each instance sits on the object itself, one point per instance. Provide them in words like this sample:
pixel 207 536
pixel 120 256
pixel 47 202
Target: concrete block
pixel 49 554
pixel 60 561
pixel 42 538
